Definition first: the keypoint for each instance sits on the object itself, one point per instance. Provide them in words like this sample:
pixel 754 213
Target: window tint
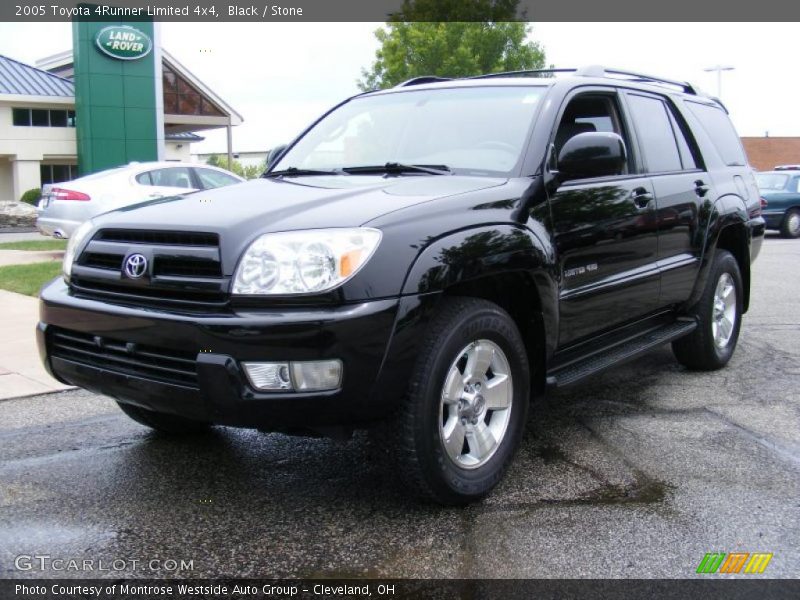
pixel 144 178
pixel 21 117
pixel 720 129
pixel 36 117
pixel 655 133
pixel 213 179
pixel 173 177
pixel 588 113
pixel 689 157
pixel 40 118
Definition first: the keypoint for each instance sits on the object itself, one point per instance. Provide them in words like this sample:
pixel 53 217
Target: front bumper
pixel 361 335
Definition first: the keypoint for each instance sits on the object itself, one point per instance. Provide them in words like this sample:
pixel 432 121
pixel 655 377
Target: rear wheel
pixel 790 226
pixel 719 317
pixel 163 422
pixel 467 403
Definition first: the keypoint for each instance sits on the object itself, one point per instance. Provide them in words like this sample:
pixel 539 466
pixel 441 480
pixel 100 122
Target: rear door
pixel 604 230
pixel 681 186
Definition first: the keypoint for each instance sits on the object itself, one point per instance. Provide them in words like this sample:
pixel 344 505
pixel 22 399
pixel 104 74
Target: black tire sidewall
pixel 445 477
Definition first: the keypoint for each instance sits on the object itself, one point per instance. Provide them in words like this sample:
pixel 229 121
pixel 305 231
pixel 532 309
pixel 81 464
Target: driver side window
pixel 587 113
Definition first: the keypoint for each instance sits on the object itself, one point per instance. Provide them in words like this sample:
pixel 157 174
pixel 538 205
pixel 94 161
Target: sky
pixel 282 76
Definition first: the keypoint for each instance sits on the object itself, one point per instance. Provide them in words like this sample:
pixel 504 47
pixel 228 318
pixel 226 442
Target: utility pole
pixel 719 69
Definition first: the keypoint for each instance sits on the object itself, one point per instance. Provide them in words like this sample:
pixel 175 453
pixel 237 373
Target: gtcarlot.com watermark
pixel 46 562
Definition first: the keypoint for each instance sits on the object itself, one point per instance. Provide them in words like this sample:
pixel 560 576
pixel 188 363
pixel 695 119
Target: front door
pixel 605 232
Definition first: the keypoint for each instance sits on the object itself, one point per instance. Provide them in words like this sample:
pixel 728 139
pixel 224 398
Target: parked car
pixel 781 192
pixel 423 261
pixel 64 206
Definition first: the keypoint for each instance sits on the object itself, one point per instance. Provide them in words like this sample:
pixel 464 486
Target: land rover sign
pixel 123 42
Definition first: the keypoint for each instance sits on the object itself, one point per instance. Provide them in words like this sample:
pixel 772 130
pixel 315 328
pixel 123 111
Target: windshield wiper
pixel 296 172
pixel 394 167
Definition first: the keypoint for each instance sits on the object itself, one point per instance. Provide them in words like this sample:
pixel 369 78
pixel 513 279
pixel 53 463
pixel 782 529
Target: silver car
pixel 64 206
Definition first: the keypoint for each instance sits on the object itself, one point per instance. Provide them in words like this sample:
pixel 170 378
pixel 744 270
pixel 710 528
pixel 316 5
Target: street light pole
pixel 719 69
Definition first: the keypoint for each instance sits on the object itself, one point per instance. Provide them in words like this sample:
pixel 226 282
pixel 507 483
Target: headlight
pixel 75 241
pixel 303 262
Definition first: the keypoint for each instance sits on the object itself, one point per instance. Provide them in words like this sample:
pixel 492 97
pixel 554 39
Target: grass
pixel 28 279
pixel 35 245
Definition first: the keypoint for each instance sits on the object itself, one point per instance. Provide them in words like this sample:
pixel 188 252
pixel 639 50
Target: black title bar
pixel 406 10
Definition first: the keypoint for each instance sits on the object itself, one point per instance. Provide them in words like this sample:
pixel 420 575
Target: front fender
pixel 507 252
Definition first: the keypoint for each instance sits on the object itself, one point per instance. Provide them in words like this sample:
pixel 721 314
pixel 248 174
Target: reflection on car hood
pixel 292 203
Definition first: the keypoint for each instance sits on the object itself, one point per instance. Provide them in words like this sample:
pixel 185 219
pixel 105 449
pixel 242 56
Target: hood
pixel 269 205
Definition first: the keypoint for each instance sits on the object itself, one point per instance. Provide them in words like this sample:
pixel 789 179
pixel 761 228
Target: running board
pixel 576 371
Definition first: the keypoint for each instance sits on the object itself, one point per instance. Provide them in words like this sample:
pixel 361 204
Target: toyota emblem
pixel 135 266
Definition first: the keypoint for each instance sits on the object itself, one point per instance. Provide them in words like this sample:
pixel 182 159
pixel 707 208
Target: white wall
pixel 177 151
pixel 6 181
pixel 34 143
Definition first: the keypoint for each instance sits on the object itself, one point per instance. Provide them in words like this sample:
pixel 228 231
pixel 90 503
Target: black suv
pixel 433 255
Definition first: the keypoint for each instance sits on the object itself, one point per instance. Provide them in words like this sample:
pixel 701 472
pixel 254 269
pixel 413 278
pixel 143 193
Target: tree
pixel 419 41
pixel 248 172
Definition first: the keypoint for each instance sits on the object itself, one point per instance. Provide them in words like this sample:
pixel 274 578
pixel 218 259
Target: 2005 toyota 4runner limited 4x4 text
pixel 430 256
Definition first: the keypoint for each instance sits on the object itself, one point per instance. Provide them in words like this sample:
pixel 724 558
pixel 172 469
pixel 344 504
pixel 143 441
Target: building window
pixel 42 117
pixel 182 98
pixel 21 117
pixel 57 173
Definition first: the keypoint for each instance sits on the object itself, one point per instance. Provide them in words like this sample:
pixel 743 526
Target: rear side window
pixel 654 129
pixel 174 177
pixel 720 129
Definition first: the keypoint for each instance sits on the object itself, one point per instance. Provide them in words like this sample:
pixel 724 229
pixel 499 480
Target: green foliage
pixel 47 244
pixel 28 279
pixel 32 196
pixel 487 40
pixel 248 172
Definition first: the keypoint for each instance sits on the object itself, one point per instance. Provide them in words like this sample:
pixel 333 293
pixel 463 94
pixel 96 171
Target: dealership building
pixel 117 97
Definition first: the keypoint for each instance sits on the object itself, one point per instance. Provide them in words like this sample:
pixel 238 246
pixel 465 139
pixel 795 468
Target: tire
pixel 790 226
pixel 719 318
pixel 466 337
pixel 163 423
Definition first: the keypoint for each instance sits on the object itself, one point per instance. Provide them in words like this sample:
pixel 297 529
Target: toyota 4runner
pixel 433 255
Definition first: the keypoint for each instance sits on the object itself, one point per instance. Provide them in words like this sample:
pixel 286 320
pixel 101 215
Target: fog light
pixel 268 376
pixel 311 376
pixel 317 375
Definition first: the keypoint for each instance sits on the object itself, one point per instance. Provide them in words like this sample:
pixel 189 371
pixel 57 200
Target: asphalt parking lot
pixel 636 473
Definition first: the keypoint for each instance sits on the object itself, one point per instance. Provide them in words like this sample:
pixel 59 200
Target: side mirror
pixel 591 154
pixel 275 154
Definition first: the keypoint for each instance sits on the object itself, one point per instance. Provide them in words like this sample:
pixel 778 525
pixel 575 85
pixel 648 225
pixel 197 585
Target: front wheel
pixel 719 318
pixel 467 403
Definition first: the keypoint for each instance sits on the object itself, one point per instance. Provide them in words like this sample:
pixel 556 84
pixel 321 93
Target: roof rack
pixel 600 71
pixel 423 79
pixel 597 71
pixel 589 71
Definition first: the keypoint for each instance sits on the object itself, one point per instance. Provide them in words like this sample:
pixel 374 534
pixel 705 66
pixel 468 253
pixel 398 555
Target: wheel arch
pixel 504 264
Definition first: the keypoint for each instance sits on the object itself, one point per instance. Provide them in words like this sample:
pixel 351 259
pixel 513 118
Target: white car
pixel 64 206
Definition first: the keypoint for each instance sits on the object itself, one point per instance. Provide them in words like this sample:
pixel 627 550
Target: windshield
pixel 771 181
pixel 475 131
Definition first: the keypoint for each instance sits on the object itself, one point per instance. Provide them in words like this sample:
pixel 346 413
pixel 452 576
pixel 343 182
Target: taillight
pixel 763 203
pixel 65 194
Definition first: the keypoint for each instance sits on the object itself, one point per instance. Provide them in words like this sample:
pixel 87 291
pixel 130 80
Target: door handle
pixel 641 197
pixel 156 195
pixel 700 188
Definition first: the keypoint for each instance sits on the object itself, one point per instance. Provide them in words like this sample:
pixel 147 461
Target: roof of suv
pixel 548 77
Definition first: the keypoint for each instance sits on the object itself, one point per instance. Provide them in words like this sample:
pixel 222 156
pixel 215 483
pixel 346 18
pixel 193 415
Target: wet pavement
pixel 636 473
